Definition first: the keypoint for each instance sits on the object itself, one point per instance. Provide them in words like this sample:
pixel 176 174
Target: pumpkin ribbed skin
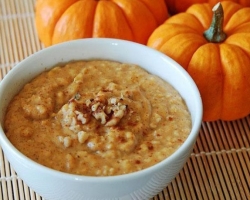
pixel 176 6
pixel 62 20
pixel 220 70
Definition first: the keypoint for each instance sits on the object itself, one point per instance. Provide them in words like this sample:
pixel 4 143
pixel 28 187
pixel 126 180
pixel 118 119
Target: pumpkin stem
pixel 215 32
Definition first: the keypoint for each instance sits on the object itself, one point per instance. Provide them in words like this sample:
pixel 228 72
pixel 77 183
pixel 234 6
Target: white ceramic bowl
pixel 144 184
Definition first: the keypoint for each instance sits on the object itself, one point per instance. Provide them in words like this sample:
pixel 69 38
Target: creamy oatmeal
pixel 97 118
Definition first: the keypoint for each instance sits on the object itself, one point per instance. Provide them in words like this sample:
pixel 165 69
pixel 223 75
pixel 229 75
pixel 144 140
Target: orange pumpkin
pixel 217 59
pixel 176 6
pixel 62 20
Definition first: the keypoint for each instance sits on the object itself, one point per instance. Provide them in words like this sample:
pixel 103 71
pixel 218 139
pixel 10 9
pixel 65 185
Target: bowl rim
pixel 193 134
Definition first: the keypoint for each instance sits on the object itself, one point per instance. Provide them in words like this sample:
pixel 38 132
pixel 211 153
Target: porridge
pixel 97 118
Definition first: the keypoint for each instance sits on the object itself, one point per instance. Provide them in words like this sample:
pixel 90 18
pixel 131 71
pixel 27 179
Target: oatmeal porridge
pixel 97 118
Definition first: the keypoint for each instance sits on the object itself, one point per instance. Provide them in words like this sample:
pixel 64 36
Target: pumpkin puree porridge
pixel 97 118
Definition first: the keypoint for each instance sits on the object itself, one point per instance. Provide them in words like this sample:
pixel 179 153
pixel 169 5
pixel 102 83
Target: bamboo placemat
pixel 218 168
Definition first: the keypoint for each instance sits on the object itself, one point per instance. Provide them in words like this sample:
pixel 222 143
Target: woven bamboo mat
pixel 219 167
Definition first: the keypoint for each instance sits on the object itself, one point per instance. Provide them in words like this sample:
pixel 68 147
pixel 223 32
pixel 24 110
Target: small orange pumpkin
pixel 176 6
pixel 62 20
pixel 217 59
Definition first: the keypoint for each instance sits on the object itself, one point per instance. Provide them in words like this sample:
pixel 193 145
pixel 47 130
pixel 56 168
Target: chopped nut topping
pixel 109 111
pixel 100 115
pixel 118 113
pixel 81 117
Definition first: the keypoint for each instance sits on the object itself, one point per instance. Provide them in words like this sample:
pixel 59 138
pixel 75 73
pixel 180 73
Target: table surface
pixel 218 167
